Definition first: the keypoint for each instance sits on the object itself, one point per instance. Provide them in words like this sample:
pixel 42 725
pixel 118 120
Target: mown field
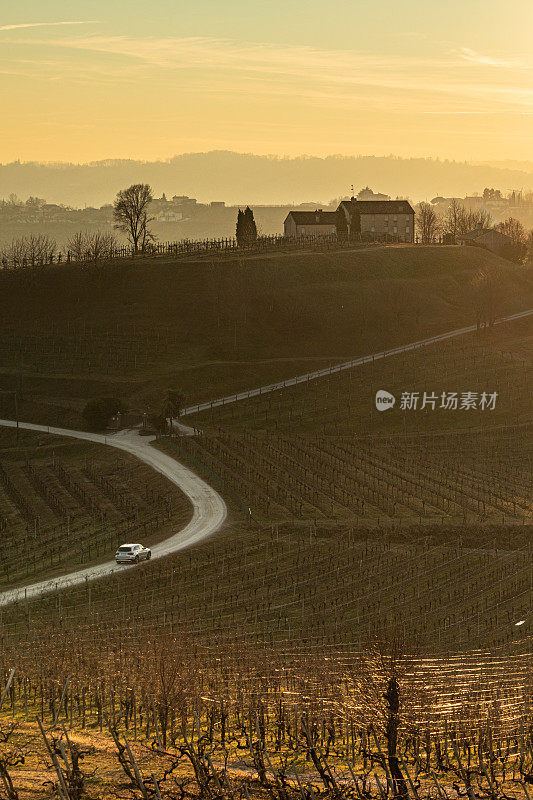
pixel 205 328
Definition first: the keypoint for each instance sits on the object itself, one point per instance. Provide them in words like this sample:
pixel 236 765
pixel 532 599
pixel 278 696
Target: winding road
pixel 209 509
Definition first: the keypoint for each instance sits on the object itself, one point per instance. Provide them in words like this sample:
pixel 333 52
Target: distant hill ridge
pixel 246 178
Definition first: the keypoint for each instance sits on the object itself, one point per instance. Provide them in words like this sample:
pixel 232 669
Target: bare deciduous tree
pixel 96 246
pixel 514 229
pixel 458 220
pixel 477 219
pixel 130 211
pixel 427 223
pixel 454 221
pixel 530 246
pixel 40 249
pixel 29 251
pixel 14 254
pixel 76 246
pixel 34 203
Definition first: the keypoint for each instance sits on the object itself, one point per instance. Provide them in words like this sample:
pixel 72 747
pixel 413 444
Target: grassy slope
pixel 136 329
pixel 492 360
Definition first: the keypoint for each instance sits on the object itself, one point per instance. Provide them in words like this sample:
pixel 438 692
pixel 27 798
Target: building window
pixel 395 229
pixel 333 230
pixel 395 218
pixel 407 229
pixel 302 231
pixel 387 218
pixel 372 229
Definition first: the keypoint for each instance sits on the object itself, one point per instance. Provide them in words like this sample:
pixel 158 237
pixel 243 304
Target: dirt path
pixel 356 362
pixel 209 509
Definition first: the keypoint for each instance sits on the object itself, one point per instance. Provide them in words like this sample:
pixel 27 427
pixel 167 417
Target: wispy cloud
pixel 213 52
pixel 460 82
pixel 491 61
pixel 341 75
pixel 45 24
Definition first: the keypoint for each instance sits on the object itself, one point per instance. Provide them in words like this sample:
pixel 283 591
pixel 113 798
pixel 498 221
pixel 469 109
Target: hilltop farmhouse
pixel 311 223
pixel 356 219
pixel 379 219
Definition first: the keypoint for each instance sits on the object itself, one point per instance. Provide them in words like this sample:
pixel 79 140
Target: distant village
pixel 481 219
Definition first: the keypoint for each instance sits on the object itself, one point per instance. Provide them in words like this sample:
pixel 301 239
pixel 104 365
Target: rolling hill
pixel 364 553
pixel 210 327
pixel 248 178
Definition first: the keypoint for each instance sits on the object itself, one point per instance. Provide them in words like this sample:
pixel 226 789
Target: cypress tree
pixel 251 227
pixel 239 230
pixel 246 230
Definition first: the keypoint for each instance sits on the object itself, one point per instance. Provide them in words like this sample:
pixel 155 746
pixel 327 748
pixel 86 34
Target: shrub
pixel 159 423
pixel 99 411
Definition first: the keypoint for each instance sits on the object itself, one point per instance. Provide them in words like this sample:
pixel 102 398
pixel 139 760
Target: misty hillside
pixel 246 178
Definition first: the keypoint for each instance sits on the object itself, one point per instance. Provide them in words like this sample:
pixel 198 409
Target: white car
pixel 132 554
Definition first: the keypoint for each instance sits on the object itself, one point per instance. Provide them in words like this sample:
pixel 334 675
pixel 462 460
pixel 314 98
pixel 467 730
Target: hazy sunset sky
pixel 128 79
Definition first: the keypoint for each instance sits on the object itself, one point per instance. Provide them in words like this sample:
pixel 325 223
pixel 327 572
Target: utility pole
pixel 17 416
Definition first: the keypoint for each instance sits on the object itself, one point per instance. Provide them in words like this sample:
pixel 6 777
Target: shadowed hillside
pixel 209 327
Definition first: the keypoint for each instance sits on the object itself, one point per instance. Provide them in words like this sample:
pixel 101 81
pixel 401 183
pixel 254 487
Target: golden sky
pixel 95 80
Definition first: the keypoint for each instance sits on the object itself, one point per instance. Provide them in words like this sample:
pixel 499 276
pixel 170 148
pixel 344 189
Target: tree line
pixel 459 220
pixel 131 214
